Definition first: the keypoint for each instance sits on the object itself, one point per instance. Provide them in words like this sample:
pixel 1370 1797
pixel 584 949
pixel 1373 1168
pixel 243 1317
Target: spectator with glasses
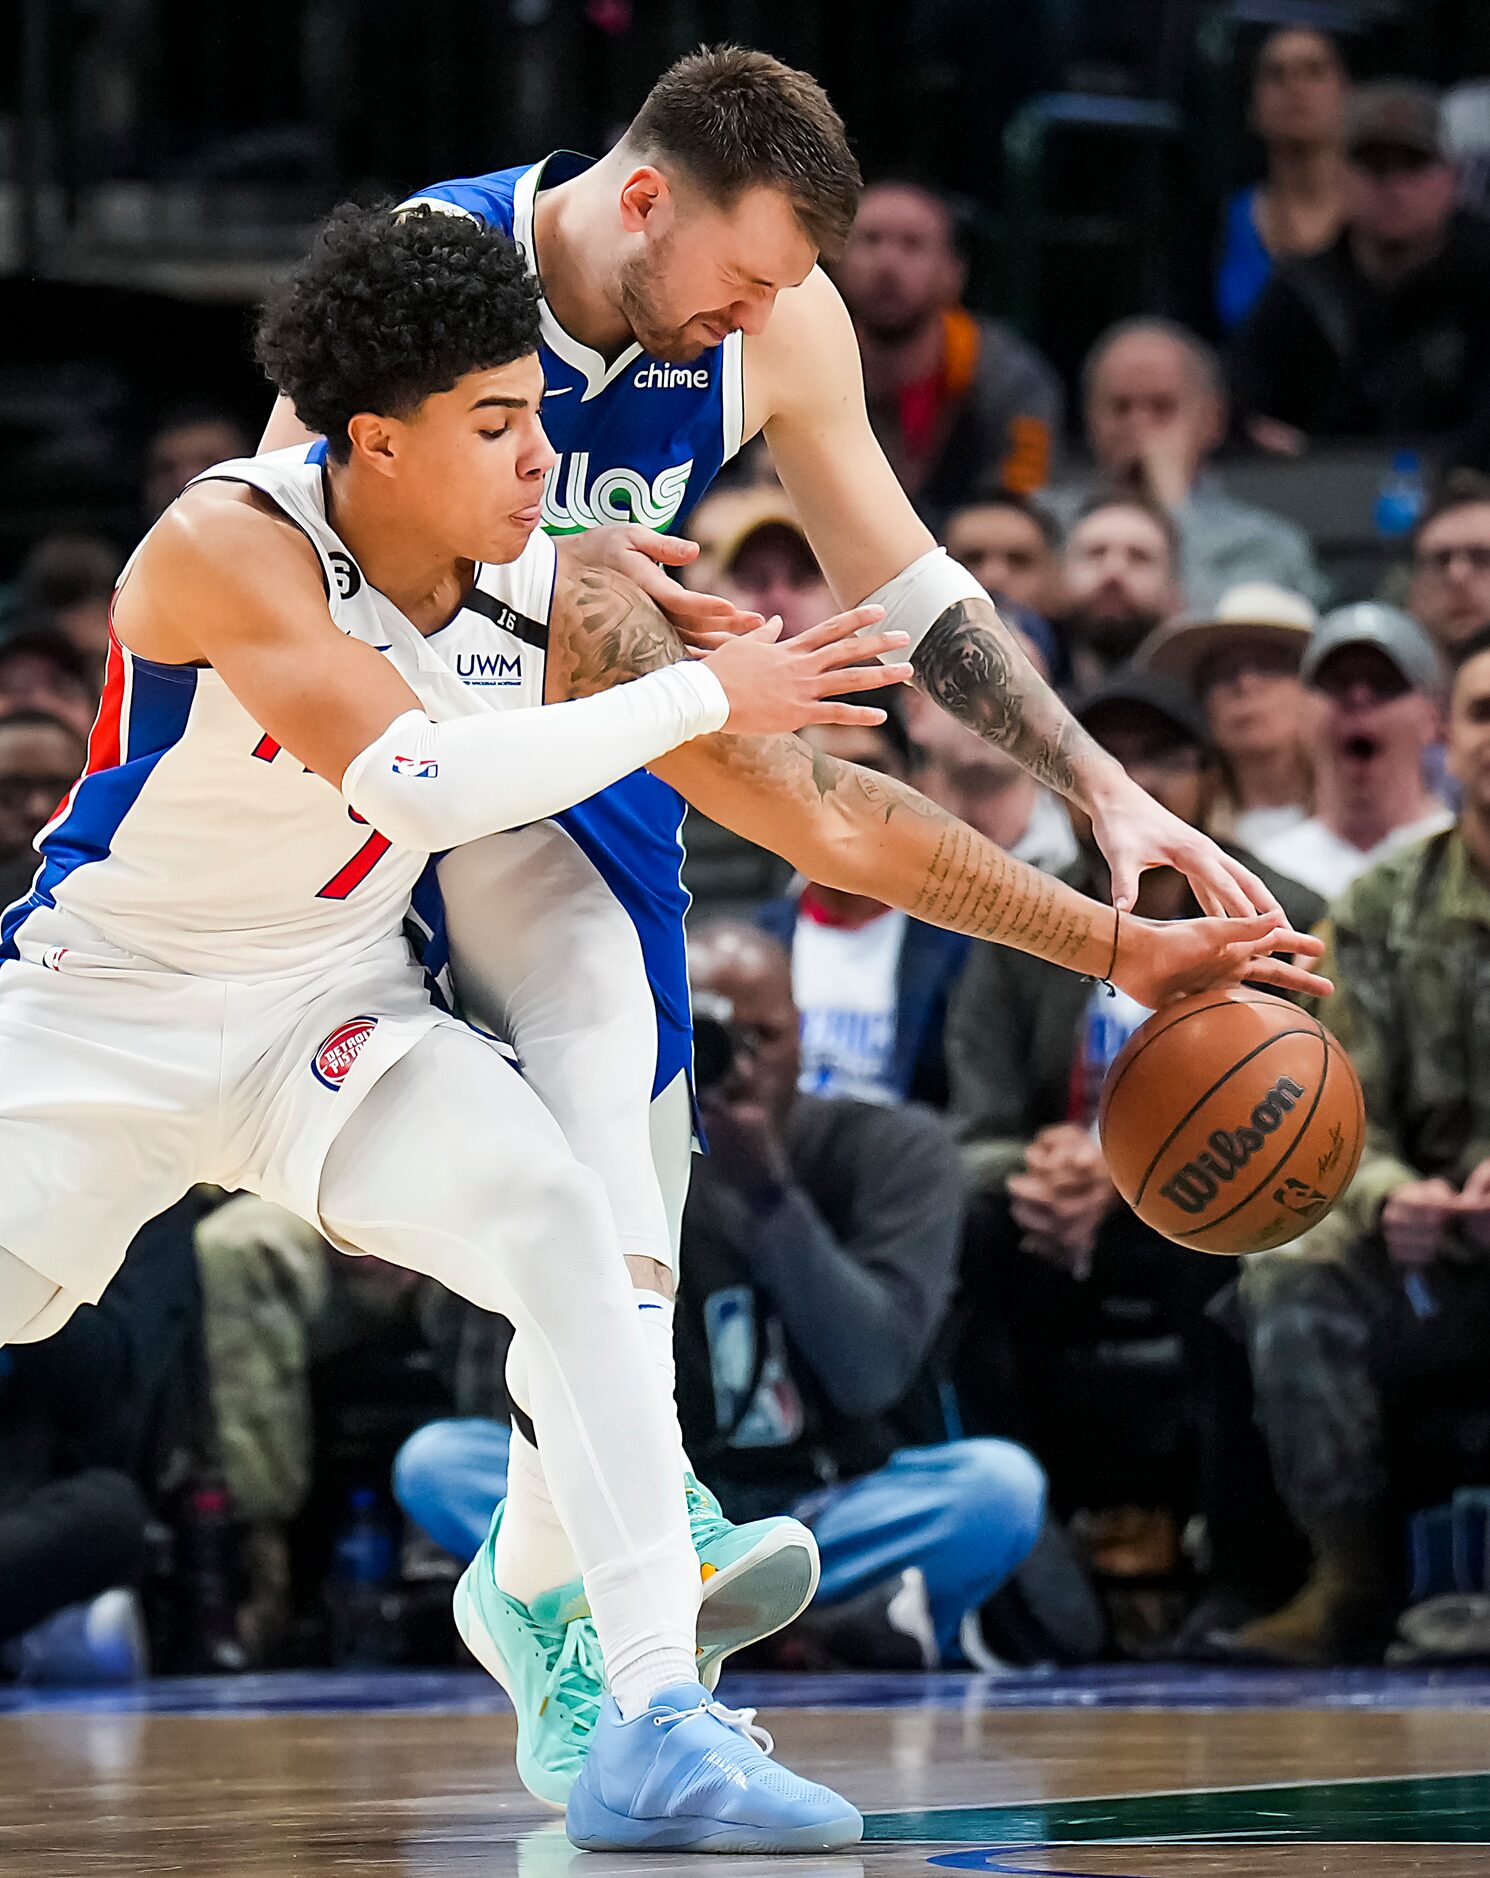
pixel 1377 688
pixel 1450 593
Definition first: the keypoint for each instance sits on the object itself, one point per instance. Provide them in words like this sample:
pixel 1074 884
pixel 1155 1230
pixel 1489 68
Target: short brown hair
pixel 734 118
pixel 1120 498
pixel 1460 489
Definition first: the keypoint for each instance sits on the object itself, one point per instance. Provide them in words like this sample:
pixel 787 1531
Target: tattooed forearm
pixel 605 630
pixel 971 664
pixel 866 833
pixel 976 888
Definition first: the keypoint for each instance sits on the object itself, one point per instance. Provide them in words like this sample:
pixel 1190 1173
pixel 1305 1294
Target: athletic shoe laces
pixel 741 1720
pixel 575 1677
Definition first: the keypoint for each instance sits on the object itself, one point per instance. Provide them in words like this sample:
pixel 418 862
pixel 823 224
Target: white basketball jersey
pixel 192 839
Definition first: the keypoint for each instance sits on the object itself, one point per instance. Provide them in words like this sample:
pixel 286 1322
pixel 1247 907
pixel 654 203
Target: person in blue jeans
pixel 821 1240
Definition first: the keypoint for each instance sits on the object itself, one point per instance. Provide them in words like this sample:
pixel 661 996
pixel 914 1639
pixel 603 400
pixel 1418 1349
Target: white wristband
pixel 919 595
pixel 428 785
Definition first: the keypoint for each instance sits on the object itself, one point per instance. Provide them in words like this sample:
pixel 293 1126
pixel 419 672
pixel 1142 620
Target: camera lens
pixel 713 1052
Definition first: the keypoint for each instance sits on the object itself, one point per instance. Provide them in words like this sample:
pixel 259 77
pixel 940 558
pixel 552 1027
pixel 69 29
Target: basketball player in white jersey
pixel 695 242
pixel 209 980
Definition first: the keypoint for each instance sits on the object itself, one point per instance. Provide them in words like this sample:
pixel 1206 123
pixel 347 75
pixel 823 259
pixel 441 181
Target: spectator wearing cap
pixel 754 552
pixel 1011 546
pixel 1387 333
pixel 1242 663
pixel 871 984
pixel 1059 1272
pixel 1383 1309
pixel 1299 92
pixel 957 401
pixel 1120 572
pixel 1156 413
pixel 1377 683
pixel 42 671
pixel 40 758
pixel 1450 592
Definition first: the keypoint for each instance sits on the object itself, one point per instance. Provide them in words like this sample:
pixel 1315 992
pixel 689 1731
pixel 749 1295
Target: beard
pixel 637 297
pixel 1114 638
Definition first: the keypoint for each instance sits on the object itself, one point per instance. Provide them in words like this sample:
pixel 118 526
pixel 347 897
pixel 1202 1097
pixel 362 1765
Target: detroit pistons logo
pixel 332 1063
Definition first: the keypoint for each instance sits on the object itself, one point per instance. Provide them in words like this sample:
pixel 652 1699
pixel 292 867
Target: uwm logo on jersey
pixel 572 500
pixel 489 668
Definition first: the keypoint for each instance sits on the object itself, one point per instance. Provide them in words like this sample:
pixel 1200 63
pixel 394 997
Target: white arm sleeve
pixel 918 596
pixel 428 785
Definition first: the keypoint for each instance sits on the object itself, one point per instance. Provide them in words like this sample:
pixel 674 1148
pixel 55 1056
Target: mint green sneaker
pixel 757 1578
pixel 547 1657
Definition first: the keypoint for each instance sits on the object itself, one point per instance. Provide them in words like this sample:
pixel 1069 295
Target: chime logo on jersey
pixel 333 1062
pixel 419 767
pixel 571 501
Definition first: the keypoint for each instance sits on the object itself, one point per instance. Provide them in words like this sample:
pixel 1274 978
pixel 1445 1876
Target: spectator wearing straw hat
pixel 1242 662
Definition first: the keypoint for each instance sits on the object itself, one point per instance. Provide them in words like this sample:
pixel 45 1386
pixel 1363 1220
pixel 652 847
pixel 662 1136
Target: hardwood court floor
pixel 1110 1774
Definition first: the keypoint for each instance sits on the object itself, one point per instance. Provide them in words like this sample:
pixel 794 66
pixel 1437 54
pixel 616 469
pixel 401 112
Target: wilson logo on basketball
pixel 333 1062
pixel 1228 1151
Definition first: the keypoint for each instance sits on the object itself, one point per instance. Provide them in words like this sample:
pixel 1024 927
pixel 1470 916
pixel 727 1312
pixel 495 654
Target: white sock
pixel 635 1685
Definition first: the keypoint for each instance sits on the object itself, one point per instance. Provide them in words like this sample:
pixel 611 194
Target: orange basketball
pixel 1232 1121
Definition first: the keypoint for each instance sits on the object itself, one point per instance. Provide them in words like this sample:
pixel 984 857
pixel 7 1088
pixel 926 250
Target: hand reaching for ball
pixel 1160 960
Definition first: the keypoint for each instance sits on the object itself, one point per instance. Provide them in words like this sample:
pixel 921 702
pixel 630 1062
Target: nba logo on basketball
pixel 332 1063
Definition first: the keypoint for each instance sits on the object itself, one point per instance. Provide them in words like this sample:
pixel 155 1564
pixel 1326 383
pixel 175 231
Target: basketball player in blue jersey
pixel 683 312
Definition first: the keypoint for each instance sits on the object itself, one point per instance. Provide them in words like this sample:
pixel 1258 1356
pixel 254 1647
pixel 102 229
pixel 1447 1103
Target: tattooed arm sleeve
pixel 846 827
pixel 974 667
pixel 841 825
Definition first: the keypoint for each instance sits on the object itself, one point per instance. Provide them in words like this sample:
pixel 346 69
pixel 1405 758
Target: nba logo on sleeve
pixel 420 767
pixel 332 1063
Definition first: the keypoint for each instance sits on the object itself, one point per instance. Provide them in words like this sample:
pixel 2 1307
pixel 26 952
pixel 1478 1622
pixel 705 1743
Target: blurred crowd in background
pixel 1235 496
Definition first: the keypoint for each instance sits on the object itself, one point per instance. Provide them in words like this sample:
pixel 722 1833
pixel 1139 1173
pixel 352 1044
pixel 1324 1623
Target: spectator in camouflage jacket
pixel 1388 1301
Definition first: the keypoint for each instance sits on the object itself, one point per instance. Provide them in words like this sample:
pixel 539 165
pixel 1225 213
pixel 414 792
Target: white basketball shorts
pixel 123 1084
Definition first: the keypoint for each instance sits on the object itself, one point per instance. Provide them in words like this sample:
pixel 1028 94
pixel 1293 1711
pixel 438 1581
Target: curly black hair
pixel 389 308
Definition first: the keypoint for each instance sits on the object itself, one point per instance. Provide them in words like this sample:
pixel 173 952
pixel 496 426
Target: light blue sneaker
pixel 547 1657
pixel 691 1775
pixel 756 1579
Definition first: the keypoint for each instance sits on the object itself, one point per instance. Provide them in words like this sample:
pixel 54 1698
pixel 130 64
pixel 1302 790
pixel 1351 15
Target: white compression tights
pixel 454 1168
pixel 543 955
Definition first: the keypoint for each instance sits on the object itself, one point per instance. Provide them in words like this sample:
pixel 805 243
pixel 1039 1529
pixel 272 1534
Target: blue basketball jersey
pixel 638 440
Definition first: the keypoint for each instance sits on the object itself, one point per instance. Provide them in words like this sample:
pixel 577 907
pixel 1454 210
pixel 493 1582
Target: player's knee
pixel 1003 1490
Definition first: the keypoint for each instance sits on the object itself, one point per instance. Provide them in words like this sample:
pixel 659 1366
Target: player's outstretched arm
pixel 804 380
pixel 849 828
